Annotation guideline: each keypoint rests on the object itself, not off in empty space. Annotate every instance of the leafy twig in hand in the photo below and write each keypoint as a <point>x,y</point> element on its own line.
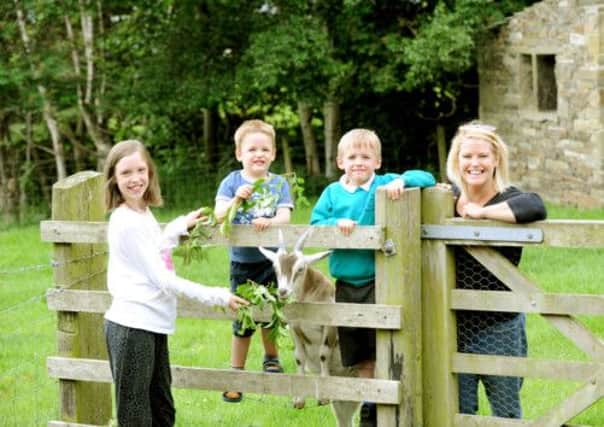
<point>259,297</point>
<point>195,246</point>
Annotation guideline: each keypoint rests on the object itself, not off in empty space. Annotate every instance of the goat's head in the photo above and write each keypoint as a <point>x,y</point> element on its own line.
<point>291,267</point>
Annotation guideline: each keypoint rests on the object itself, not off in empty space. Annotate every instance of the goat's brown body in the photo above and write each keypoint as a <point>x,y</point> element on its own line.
<point>316,346</point>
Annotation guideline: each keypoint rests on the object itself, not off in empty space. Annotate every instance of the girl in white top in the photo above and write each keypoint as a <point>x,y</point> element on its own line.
<point>144,287</point>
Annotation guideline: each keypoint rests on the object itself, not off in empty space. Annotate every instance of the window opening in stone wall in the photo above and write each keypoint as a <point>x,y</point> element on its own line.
<point>526,80</point>
<point>547,92</point>
<point>537,77</point>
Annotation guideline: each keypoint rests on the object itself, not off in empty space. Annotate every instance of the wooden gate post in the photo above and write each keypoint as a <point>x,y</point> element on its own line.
<point>398,282</point>
<point>81,266</point>
<point>439,327</point>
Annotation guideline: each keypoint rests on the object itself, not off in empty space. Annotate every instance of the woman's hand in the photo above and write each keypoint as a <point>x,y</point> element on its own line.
<point>472,210</point>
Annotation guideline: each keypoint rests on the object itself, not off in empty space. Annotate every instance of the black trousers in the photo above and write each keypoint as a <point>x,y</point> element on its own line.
<point>140,366</point>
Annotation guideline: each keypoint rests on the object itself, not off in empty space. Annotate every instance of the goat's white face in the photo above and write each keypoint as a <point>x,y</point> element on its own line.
<point>290,267</point>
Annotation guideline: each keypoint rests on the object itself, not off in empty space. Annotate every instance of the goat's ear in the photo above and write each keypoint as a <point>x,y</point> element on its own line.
<point>316,257</point>
<point>268,253</point>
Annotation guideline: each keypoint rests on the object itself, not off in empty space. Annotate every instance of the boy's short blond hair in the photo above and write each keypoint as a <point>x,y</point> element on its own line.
<point>253,126</point>
<point>360,138</point>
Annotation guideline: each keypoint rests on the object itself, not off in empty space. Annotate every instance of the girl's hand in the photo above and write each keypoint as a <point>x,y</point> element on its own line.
<point>235,302</point>
<point>194,217</point>
<point>346,226</point>
<point>244,192</point>
<point>261,224</point>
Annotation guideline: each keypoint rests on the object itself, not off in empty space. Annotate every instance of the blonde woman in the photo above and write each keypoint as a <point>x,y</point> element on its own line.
<point>477,166</point>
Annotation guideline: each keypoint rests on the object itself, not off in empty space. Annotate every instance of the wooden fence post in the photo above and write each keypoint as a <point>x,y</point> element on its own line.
<point>81,266</point>
<point>398,282</point>
<point>439,327</point>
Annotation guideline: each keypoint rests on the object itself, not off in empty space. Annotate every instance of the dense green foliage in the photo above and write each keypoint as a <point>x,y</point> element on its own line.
<point>181,76</point>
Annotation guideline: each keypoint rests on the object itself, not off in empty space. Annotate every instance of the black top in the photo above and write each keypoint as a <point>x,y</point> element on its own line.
<point>471,274</point>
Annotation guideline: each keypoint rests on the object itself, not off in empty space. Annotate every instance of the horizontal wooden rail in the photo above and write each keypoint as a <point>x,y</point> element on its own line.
<point>556,233</point>
<point>523,367</point>
<point>363,237</point>
<point>68,424</point>
<point>464,420</point>
<point>336,388</point>
<point>546,303</point>
<point>379,316</point>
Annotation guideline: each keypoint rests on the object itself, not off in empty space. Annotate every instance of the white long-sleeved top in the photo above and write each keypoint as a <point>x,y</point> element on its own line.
<point>140,276</point>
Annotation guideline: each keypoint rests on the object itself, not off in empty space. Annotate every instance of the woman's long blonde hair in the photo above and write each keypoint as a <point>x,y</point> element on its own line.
<point>484,132</point>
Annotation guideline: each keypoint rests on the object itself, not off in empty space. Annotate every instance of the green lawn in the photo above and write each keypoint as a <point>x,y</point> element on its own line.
<point>29,398</point>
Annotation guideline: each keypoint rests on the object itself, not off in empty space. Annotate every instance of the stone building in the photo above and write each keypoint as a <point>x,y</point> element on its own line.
<point>541,76</point>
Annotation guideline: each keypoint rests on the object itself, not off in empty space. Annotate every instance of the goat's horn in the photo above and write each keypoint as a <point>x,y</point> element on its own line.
<point>281,240</point>
<point>300,242</point>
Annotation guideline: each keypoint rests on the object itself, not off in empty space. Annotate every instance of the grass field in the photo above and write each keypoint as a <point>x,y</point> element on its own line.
<point>29,398</point>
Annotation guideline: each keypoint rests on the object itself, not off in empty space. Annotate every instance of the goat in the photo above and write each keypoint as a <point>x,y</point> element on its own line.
<point>316,347</point>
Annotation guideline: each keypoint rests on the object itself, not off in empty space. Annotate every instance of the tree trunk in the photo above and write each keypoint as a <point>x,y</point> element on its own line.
<point>210,144</point>
<point>47,112</point>
<point>332,130</point>
<point>441,145</point>
<point>308,136</point>
<point>287,156</point>
<point>43,180</point>
<point>100,116</point>
<point>85,96</point>
<point>27,169</point>
<point>4,192</point>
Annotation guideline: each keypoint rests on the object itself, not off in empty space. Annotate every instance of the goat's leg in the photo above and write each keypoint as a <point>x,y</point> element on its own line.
<point>344,411</point>
<point>300,357</point>
<point>326,349</point>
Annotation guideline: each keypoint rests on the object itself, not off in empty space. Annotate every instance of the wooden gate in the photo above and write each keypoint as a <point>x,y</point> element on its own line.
<point>396,389</point>
<point>440,298</point>
<point>417,361</point>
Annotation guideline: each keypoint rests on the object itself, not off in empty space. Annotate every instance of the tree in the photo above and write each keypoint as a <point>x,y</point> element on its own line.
<point>47,106</point>
<point>296,56</point>
<point>435,54</point>
<point>89,97</point>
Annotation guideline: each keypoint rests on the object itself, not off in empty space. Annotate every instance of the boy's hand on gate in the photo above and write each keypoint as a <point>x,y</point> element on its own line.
<point>261,223</point>
<point>394,189</point>
<point>346,226</point>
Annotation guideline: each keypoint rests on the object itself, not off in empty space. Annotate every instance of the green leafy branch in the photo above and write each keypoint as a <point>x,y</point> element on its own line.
<point>259,297</point>
<point>200,237</point>
<point>296,183</point>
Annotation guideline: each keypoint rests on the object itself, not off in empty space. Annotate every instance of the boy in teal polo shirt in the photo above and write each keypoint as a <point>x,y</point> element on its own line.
<point>346,203</point>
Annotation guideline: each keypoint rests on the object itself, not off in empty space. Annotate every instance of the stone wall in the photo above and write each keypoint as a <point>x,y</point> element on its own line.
<point>542,84</point>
